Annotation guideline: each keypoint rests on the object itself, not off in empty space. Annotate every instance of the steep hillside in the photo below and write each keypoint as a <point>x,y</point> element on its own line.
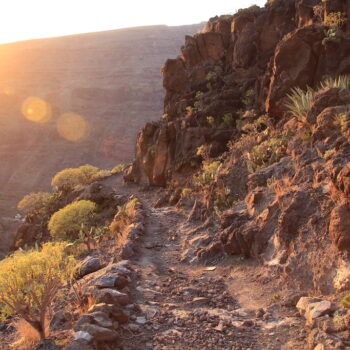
<point>111,79</point>
<point>230,230</point>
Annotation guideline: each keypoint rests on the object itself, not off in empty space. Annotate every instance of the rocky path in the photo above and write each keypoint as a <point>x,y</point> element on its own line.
<point>181,306</point>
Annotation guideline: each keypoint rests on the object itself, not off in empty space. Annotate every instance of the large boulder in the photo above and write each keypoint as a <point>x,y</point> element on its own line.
<point>294,65</point>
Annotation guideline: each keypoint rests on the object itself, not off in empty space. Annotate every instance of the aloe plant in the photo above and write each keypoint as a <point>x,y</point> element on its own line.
<point>299,102</point>
<point>342,82</point>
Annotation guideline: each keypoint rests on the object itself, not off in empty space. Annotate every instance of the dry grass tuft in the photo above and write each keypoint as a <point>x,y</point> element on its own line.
<point>281,187</point>
<point>27,336</point>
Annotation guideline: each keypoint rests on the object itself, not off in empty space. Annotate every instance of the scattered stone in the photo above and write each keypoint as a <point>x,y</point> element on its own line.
<point>101,319</point>
<point>266,316</point>
<point>141,320</point>
<point>113,311</point>
<point>259,313</point>
<point>100,333</point>
<point>59,319</point>
<point>111,281</point>
<point>83,336</point>
<point>291,299</point>
<point>304,302</point>
<point>89,265</point>
<point>199,301</point>
<point>134,327</point>
<point>111,296</point>
<point>318,309</point>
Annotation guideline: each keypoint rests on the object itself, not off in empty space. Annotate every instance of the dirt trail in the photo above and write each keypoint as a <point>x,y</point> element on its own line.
<point>181,306</point>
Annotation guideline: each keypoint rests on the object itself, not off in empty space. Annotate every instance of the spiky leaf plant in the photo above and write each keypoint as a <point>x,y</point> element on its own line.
<point>299,102</point>
<point>342,82</point>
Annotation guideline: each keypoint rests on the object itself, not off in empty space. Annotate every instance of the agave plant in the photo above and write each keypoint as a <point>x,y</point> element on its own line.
<point>299,102</point>
<point>342,82</point>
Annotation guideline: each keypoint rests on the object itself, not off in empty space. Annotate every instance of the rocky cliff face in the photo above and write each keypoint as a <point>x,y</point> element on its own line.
<point>111,79</point>
<point>280,189</point>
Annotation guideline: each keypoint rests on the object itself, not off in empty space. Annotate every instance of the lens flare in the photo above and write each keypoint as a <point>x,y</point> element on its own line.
<point>36,110</point>
<point>72,127</point>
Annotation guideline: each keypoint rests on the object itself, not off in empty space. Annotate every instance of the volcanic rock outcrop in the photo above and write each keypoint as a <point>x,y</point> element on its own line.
<point>281,187</point>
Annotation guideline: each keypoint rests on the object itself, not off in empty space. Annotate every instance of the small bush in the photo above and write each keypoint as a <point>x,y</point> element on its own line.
<point>343,122</point>
<point>249,97</point>
<point>68,179</point>
<point>345,302</point>
<point>208,173</point>
<point>29,281</point>
<point>335,19</point>
<point>118,169</point>
<point>66,223</point>
<point>203,151</point>
<point>124,216</point>
<point>260,124</point>
<point>267,153</point>
<point>33,201</point>
<point>227,118</point>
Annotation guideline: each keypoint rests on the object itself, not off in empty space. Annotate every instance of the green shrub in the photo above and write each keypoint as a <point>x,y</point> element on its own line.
<point>118,169</point>
<point>66,223</point>
<point>249,97</point>
<point>211,76</point>
<point>343,121</point>
<point>227,118</point>
<point>335,19</point>
<point>209,171</point>
<point>33,201</point>
<point>267,153</point>
<point>87,174</point>
<point>70,178</point>
<point>30,280</point>
<point>256,125</point>
<point>299,102</point>
<point>345,302</point>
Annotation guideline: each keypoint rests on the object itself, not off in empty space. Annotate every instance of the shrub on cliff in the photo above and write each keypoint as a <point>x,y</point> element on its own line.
<point>124,216</point>
<point>33,201</point>
<point>267,152</point>
<point>29,280</point>
<point>299,102</point>
<point>66,223</point>
<point>70,178</point>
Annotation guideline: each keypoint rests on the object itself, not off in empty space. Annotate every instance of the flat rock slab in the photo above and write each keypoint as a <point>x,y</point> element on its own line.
<point>318,309</point>
<point>304,302</point>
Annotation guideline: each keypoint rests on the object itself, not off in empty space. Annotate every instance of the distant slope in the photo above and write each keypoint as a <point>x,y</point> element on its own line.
<point>111,78</point>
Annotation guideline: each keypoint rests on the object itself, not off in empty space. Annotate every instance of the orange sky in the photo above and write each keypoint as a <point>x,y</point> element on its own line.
<point>28,19</point>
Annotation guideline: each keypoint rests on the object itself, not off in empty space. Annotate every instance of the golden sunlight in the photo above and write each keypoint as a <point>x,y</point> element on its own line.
<point>36,110</point>
<point>73,127</point>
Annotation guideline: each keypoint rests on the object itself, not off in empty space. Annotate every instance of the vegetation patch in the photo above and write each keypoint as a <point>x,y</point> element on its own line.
<point>66,223</point>
<point>30,280</point>
<point>267,152</point>
<point>124,216</point>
